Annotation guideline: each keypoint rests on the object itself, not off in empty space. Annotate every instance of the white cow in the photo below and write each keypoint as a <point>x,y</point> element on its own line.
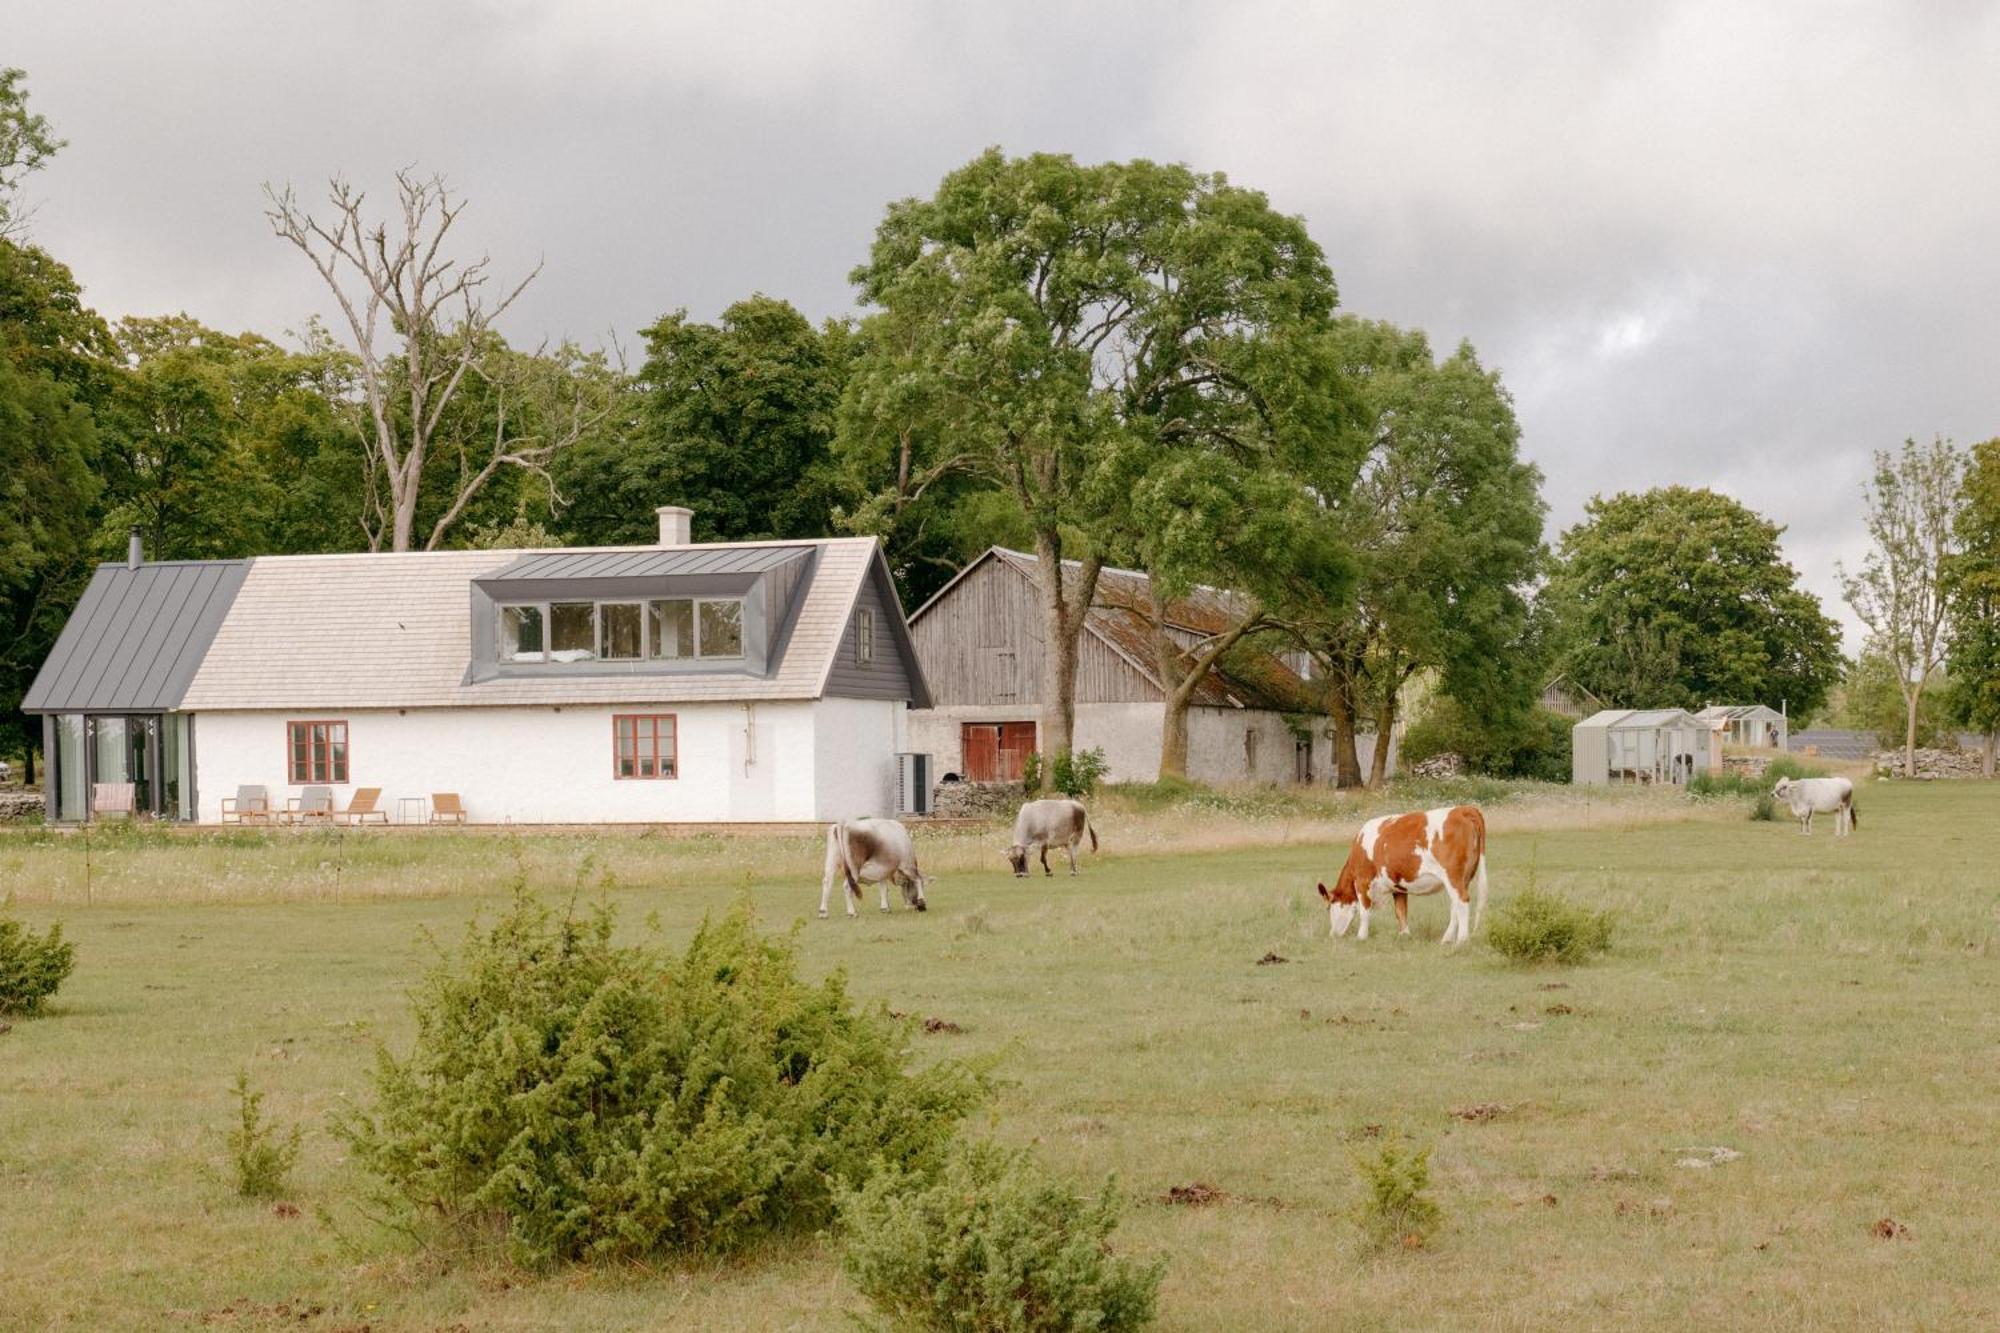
<point>872,851</point>
<point>1057,822</point>
<point>1819,796</point>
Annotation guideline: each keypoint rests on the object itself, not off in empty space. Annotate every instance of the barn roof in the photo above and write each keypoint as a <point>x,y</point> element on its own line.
<point>1739,713</point>
<point>393,630</point>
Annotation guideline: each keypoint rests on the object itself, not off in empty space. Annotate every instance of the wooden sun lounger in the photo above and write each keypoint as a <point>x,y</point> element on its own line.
<point>361,807</point>
<point>113,798</point>
<point>446,808</point>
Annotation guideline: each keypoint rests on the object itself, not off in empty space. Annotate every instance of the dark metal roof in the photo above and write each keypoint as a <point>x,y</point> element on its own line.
<point>649,563</point>
<point>136,638</point>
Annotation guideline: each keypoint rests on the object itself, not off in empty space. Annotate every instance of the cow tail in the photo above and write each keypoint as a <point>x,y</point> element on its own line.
<point>836,858</point>
<point>1479,880</point>
<point>1091,829</point>
<point>1853,813</point>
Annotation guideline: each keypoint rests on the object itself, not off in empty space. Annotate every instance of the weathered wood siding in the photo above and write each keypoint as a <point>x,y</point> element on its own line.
<point>981,643</point>
<point>884,676</point>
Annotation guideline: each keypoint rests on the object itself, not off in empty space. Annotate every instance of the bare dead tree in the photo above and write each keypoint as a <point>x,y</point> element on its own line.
<point>438,319</point>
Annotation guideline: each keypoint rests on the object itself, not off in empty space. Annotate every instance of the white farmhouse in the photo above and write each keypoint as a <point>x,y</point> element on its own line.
<point>759,681</point>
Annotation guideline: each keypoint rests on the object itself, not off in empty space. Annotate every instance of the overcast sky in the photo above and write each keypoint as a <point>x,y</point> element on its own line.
<point>1728,245</point>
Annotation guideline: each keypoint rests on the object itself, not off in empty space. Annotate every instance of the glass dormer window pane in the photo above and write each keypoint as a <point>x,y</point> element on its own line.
<point>521,634</point>
<point>621,625</point>
<point>572,631</point>
<point>721,629</point>
<point>672,628</point>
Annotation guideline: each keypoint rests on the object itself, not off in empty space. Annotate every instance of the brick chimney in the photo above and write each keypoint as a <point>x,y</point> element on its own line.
<point>676,524</point>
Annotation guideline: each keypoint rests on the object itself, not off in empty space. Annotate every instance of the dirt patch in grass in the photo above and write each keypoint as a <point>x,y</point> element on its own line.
<point>1480,1112</point>
<point>1198,1195</point>
<point>1273,957</point>
<point>1558,1010</point>
<point>1889,1228</point>
<point>944,1025</point>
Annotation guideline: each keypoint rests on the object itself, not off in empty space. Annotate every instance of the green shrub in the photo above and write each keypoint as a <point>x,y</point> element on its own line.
<point>590,1101</point>
<point>1536,927</point>
<point>1395,1208</point>
<point>1764,809</point>
<point>1073,773</point>
<point>262,1156</point>
<point>32,967</point>
<point>1736,782</point>
<point>993,1245</point>
<point>1534,744</point>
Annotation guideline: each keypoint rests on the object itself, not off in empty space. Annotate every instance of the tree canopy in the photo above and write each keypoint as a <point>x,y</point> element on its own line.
<point>1682,597</point>
<point>1973,587</point>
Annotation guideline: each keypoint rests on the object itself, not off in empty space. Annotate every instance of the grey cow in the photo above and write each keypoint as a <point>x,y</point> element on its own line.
<point>872,851</point>
<point>1058,822</point>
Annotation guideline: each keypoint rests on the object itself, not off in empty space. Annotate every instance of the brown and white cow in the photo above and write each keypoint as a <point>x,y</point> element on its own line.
<point>872,851</point>
<point>1417,853</point>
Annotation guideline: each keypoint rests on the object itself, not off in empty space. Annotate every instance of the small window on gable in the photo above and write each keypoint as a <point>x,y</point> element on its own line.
<point>721,628</point>
<point>864,636</point>
<point>572,631</point>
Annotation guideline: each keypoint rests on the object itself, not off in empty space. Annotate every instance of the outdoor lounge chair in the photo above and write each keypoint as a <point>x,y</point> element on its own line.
<point>112,798</point>
<point>313,805</point>
<point>361,807</point>
<point>250,805</point>
<point>446,808</point>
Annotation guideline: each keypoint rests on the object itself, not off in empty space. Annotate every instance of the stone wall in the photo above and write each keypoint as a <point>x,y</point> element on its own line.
<point>19,803</point>
<point>1931,764</point>
<point>977,800</point>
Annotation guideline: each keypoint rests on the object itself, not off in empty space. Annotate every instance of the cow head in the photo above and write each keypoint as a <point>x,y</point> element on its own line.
<point>1783,789</point>
<point>1344,903</point>
<point>1017,857</point>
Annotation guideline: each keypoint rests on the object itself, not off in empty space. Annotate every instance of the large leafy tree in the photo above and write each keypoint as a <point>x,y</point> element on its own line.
<point>56,369</point>
<point>1445,522</point>
<point>26,143</point>
<point>1974,589</point>
<point>1681,597</point>
<point>1046,320</point>
<point>1901,590</point>
<point>734,419</point>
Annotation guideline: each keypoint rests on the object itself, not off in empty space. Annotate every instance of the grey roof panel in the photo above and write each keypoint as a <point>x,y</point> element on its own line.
<point>136,638</point>
<point>666,560</point>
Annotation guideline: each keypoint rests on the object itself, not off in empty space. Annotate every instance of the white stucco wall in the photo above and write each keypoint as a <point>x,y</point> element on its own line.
<point>1129,735</point>
<point>765,761</point>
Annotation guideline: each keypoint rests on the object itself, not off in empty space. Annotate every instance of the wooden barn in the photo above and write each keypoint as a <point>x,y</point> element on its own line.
<point>1258,718</point>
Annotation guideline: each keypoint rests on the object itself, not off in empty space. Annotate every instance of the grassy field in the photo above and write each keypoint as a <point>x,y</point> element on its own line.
<point>1829,1010</point>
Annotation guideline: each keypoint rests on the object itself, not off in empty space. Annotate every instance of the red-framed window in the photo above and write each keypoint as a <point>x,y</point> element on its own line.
<point>317,752</point>
<point>644,745</point>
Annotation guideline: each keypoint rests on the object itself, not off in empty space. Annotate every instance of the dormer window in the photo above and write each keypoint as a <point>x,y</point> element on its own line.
<point>662,630</point>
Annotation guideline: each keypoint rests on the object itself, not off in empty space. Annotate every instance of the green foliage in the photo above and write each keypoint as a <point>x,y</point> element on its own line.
<point>1076,773</point>
<point>1396,1209</point>
<point>993,1245</point>
<point>32,967</point>
<point>1679,597</point>
<point>261,1155</point>
<point>1872,700</point>
<point>1764,809</point>
<point>1031,773</point>
<point>1535,744</point>
<point>1446,523</point>
<point>26,144</point>
<point>1536,927</point>
<point>1737,782</point>
<point>734,420</point>
<point>595,1102</point>
<point>1974,589</point>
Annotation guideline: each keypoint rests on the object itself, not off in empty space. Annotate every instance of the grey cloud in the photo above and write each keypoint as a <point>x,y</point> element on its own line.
<point>1719,244</point>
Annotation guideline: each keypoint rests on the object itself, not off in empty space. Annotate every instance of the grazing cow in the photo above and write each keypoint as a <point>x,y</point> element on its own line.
<point>1420,852</point>
<point>1053,823</point>
<point>872,851</point>
<point>1819,796</point>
